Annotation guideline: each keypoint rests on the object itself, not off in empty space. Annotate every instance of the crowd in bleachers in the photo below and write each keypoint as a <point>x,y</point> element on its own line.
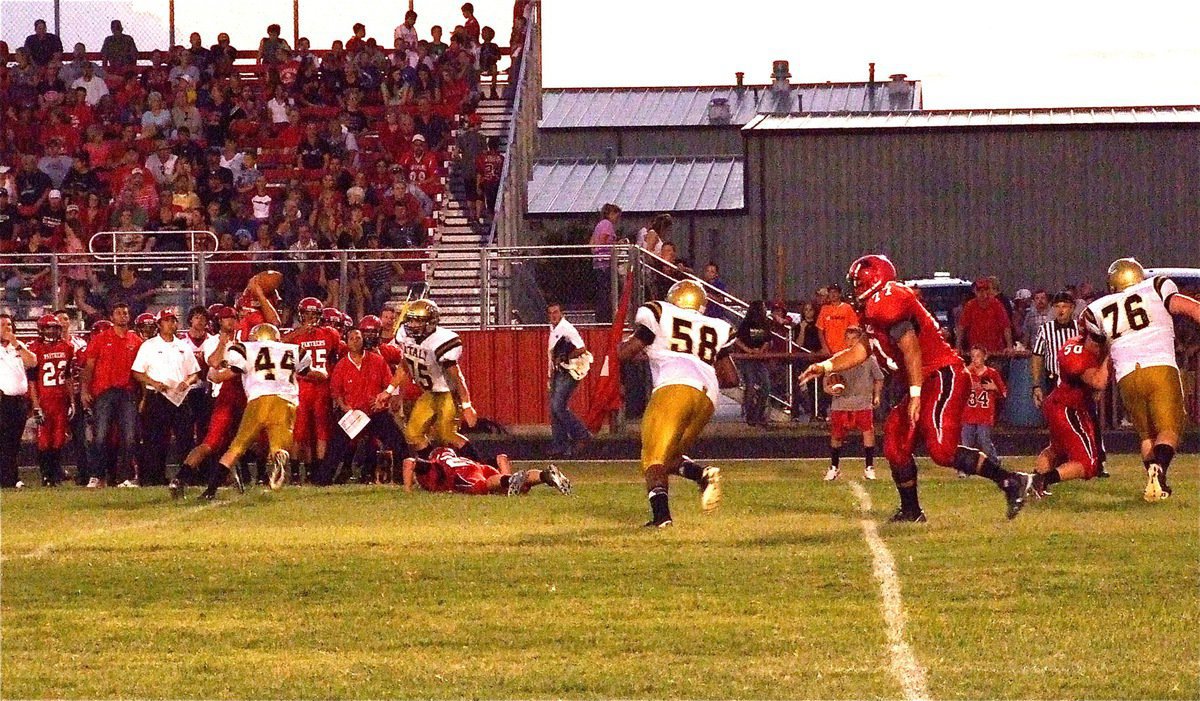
<point>289,151</point>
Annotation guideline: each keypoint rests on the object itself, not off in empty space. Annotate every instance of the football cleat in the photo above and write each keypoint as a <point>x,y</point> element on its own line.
<point>1015,487</point>
<point>555,478</point>
<point>710,489</point>
<point>832,473</point>
<point>904,516</point>
<point>516,481</point>
<point>1155,488</point>
<point>1038,488</point>
<point>869,473</point>
<point>665,523</point>
<point>94,483</point>
<point>208,494</point>
<point>279,469</point>
<point>177,489</point>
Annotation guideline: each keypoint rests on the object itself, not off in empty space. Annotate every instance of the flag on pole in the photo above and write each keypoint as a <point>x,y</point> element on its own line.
<point>607,397</point>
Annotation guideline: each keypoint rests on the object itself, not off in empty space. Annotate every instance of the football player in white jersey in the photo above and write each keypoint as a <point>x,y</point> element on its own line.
<point>431,359</point>
<point>268,370</point>
<point>689,363</point>
<point>1135,321</point>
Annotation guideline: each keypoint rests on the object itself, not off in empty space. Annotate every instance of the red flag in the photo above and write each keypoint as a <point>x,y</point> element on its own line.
<point>607,397</point>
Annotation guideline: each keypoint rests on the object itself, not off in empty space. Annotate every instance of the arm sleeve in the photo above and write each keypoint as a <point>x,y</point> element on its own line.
<point>449,352</point>
<point>1166,289</point>
<point>141,362</point>
<point>236,356</point>
<point>1039,341</point>
<point>575,338</point>
<point>648,316</point>
<point>336,388</point>
<point>999,380</point>
<point>727,346</point>
<point>876,371</point>
<point>1091,325</point>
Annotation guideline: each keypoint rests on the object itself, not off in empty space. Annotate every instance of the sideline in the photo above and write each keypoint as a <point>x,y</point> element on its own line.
<point>47,548</point>
<point>904,665</point>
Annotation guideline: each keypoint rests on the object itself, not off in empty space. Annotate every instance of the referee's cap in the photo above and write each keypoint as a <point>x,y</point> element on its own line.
<point>1064,297</point>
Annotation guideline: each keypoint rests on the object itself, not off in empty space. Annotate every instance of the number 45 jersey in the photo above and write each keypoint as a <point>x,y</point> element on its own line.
<point>1136,324</point>
<point>685,346</point>
<point>426,359</point>
<point>269,368</point>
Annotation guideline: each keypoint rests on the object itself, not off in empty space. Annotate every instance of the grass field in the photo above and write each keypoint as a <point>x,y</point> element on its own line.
<point>362,592</point>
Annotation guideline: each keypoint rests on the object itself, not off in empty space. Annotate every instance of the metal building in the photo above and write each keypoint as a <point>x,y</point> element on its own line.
<point>1039,197</point>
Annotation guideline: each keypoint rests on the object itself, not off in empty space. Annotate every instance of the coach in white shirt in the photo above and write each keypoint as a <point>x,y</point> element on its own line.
<point>15,360</point>
<point>569,362</point>
<point>166,366</point>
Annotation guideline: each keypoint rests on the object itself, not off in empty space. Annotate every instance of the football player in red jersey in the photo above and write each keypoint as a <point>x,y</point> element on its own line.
<point>51,394</point>
<point>146,326</point>
<point>78,417</point>
<point>1074,450</point>
<point>256,307</point>
<point>937,382</point>
<point>313,415</point>
<point>228,402</point>
<point>447,471</point>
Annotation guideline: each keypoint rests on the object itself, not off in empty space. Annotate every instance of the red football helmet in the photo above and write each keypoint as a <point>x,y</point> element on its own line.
<point>247,302</point>
<point>330,316</point>
<point>101,326</point>
<point>869,274</point>
<point>347,323</point>
<point>145,319</point>
<point>372,329</point>
<point>310,310</point>
<point>49,328</point>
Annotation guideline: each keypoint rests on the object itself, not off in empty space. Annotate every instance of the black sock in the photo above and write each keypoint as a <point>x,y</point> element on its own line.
<point>1163,454</point>
<point>991,469</point>
<point>505,480</point>
<point>835,455</point>
<point>869,454</point>
<point>691,470</point>
<point>468,451</point>
<point>1051,477</point>
<point>659,507</point>
<point>908,498</point>
<point>1146,464</point>
<point>185,474</point>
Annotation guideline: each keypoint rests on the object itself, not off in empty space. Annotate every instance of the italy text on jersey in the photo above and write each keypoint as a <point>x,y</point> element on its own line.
<point>686,346</point>
<point>1136,324</point>
<point>428,360</point>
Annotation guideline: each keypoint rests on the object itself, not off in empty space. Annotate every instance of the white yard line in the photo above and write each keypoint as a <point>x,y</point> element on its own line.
<point>47,548</point>
<point>904,665</point>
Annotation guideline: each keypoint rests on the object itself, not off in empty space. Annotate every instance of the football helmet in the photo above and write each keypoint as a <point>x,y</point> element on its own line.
<point>869,274</point>
<point>330,316</point>
<point>310,311</point>
<point>101,326</point>
<point>371,327</point>
<point>347,323</point>
<point>421,318</point>
<point>49,328</point>
<point>264,332</point>
<point>1125,273</point>
<point>687,294</point>
<point>146,325</point>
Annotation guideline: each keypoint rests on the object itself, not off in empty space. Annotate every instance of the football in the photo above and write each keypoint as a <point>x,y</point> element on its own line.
<point>268,280</point>
<point>835,384</point>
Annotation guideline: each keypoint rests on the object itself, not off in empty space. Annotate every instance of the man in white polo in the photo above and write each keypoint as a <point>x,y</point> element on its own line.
<point>166,366</point>
<point>15,360</point>
<point>569,363</point>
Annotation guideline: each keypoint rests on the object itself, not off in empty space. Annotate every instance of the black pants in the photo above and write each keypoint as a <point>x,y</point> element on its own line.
<point>13,413</point>
<point>382,426</point>
<point>79,442</point>
<point>163,425</point>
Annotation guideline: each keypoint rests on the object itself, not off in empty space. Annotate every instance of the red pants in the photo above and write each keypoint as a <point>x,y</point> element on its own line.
<point>473,479</point>
<point>1072,437</point>
<point>52,434</point>
<point>943,396</point>
<point>313,413</point>
<point>226,415</point>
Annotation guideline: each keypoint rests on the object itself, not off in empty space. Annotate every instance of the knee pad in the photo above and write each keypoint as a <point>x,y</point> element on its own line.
<point>966,460</point>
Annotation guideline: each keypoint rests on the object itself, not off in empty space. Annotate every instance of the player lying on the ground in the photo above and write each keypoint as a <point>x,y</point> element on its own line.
<point>446,471</point>
<point>938,386</point>
<point>1074,450</point>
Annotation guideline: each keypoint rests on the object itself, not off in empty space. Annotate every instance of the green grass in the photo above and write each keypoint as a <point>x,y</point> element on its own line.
<point>368,592</point>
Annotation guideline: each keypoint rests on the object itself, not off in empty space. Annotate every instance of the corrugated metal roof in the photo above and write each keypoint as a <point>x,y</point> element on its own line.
<point>637,185</point>
<point>591,108</point>
<point>939,119</point>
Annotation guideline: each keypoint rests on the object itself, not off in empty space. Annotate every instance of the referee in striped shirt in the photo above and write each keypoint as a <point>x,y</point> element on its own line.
<point>1051,336</point>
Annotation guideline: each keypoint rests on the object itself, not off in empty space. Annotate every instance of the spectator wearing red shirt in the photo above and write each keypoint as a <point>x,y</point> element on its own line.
<point>471,25</point>
<point>422,167</point>
<point>358,381</point>
<point>979,415</point>
<point>109,390</point>
<point>984,321</point>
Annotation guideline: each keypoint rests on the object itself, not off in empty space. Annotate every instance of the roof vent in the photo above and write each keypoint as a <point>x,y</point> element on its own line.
<point>719,111</point>
<point>778,99</point>
<point>899,92</point>
<point>779,77</point>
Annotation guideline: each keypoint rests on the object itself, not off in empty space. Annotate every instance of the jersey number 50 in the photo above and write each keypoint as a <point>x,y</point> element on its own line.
<point>700,341</point>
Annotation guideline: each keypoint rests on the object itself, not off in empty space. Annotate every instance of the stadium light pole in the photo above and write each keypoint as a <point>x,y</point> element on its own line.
<point>295,22</point>
<point>171,23</point>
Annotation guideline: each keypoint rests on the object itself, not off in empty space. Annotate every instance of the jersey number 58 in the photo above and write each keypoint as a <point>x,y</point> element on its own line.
<point>700,341</point>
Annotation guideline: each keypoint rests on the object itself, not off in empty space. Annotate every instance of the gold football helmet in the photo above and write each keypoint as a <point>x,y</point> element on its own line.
<point>264,332</point>
<point>421,318</point>
<point>687,294</point>
<point>1125,273</point>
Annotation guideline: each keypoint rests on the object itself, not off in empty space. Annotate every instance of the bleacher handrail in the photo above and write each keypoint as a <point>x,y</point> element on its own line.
<point>163,233</point>
<point>517,89</point>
